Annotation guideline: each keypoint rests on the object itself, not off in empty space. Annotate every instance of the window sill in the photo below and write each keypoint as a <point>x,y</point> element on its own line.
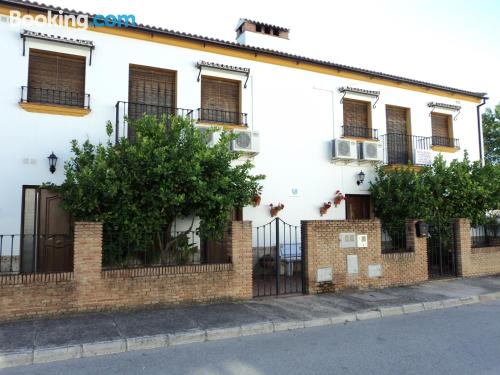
<point>54,109</point>
<point>225,125</point>
<point>444,149</point>
<point>395,167</point>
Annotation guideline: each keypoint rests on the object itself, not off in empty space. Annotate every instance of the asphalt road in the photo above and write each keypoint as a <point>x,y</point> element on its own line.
<point>463,340</point>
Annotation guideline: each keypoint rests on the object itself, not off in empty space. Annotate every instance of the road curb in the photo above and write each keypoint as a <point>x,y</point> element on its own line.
<point>46,355</point>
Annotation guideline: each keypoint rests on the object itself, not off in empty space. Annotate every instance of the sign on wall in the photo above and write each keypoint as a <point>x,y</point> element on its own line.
<point>423,157</point>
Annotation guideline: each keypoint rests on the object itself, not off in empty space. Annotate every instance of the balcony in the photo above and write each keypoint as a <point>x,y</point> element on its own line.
<point>359,132</point>
<point>445,144</point>
<point>128,110</point>
<point>222,117</point>
<point>404,149</point>
<point>45,100</point>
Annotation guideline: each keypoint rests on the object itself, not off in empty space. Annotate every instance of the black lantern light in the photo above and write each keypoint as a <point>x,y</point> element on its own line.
<point>361,178</point>
<point>52,162</point>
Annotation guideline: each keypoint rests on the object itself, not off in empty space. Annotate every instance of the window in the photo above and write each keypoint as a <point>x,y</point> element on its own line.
<point>56,78</point>
<point>357,119</point>
<point>220,101</point>
<point>441,130</point>
<point>151,91</point>
<point>357,207</point>
<point>258,28</point>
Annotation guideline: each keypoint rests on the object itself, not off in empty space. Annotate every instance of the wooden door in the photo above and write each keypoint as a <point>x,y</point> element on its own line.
<point>358,207</point>
<point>55,239</point>
<point>397,138</point>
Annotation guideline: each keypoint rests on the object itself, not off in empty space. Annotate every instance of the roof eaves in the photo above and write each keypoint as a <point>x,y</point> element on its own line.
<point>340,67</point>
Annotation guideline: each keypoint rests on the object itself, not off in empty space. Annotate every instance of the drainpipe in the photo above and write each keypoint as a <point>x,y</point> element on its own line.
<point>479,129</point>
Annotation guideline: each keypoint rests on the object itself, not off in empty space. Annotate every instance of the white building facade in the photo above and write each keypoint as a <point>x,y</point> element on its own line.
<point>295,108</point>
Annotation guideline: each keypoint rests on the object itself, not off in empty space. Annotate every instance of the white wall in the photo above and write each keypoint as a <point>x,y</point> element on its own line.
<point>296,112</point>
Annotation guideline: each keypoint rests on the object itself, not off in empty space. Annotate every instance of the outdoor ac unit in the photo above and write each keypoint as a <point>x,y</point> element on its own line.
<point>344,149</point>
<point>372,151</point>
<point>212,136</point>
<point>247,141</point>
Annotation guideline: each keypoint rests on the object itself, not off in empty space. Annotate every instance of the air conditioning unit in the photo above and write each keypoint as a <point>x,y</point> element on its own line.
<point>372,151</point>
<point>247,142</point>
<point>344,149</point>
<point>212,136</point>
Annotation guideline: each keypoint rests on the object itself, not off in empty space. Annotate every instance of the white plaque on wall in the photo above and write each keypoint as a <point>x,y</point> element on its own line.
<point>352,264</point>
<point>423,157</point>
<point>294,191</point>
<point>324,274</point>
<point>374,270</point>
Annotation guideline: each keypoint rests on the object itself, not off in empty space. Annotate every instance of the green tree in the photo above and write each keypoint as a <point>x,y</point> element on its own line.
<point>167,172</point>
<point>491,134</point>
<point>437,193</point>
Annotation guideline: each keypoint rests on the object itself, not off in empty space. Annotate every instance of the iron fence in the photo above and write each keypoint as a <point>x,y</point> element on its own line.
<point>359,132</point>
<point>221,116</point>
<point>126,250</point>
<point>393,240</point>
<point>35,253</point>
<point>30,94</point>
<point>125,111</point>
<point>485,236</point>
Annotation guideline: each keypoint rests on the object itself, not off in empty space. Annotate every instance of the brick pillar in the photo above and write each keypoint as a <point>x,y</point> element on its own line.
<point>461,229</point>
<point>241,254</point>
<point>87,259</point>
<point>309,250</point>
<point>419,246</point>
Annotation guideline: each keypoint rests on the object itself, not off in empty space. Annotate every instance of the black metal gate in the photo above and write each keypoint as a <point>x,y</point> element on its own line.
<point>442,250</point>
<point>278,261</point>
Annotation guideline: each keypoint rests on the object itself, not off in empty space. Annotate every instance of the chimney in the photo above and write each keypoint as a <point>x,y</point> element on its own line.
<point>260,34</point>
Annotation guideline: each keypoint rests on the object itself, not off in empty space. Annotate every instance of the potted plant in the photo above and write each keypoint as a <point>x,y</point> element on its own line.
<point>326,206</point>
<point>276,209</point>
<point>339,197</point>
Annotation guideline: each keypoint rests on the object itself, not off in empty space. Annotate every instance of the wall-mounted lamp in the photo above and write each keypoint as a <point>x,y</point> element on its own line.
<point>361,178</point>
<point>52,162</point>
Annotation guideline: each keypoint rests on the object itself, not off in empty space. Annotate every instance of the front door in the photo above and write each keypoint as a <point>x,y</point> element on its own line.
<point>47,244</point>
<point>358,207</point>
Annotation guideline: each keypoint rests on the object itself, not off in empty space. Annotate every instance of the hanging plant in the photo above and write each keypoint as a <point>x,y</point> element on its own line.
<point>326,206</point>
<point>339,197</point>
<point>256,200</point>
<point>276,209</point>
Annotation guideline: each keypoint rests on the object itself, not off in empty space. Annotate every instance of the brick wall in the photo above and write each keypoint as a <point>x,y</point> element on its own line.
<point>474,261</point>
<point>321,244</point>
<point>89,288</point>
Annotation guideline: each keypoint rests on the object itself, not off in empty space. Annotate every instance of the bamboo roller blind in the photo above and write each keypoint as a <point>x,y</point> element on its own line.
<point>356,113</point>
<point>220,94</point>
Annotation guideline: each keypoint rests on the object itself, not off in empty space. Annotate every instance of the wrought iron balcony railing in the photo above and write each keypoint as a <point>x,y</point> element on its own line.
<point>220,116</point>
<point>446,142</point>
<point>404,148</point>
<point>131,111</point>
<point>359,132</point>
<point>42,95</point>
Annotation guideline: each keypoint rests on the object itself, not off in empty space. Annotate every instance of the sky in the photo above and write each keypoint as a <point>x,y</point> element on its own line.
<point>451,42</point>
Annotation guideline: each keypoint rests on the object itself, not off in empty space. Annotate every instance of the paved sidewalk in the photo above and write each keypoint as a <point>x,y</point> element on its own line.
<point>46,340</point>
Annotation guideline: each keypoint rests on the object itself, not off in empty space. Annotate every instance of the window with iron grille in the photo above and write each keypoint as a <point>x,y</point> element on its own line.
<point>56,78</point>
<point>357,118</point>
<point>220,100</point>
<point>441,130</point>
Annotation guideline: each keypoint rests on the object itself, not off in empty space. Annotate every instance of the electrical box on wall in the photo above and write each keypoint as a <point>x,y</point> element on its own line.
<point>362,240</point>
<point>352,264</point>
<point>324,275</point>
<point>347,240</point>
<point>374,270</point>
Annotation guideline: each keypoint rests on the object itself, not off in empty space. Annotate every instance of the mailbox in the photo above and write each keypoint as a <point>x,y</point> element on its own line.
<point>422,229</point>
